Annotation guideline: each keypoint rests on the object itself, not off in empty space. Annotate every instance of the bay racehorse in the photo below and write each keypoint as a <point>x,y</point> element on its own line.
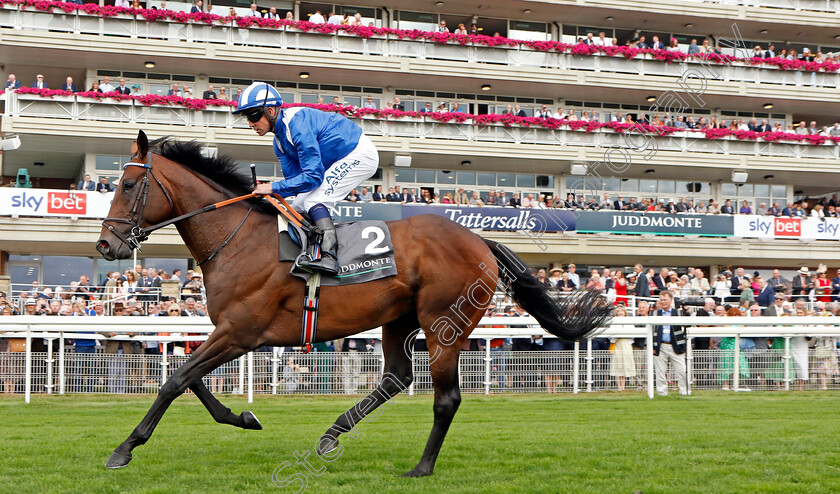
<point>446,277</point>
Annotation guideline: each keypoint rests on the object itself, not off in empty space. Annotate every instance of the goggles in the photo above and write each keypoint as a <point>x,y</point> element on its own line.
<point>254,115</point>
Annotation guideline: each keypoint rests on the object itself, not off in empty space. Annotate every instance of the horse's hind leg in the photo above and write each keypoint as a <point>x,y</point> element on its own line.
<point>397,377</point>
<point>444,370</point>
<point>221,413</point>
<point>213,353</point>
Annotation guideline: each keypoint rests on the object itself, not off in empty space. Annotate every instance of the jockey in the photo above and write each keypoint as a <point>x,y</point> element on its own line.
<point>324,157</point>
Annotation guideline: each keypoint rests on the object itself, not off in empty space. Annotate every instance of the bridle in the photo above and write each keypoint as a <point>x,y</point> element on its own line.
<point>138,234</point>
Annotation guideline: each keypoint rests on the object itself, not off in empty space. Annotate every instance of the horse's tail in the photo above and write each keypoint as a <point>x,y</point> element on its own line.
<point>569,317</point>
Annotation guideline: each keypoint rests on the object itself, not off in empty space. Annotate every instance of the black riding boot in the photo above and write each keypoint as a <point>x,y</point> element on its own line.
<point>328,263</point>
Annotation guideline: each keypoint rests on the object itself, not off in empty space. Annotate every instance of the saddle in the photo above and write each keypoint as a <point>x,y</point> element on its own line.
<point>365,251</point>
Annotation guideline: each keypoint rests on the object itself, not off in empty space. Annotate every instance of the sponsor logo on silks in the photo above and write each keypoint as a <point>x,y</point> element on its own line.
<point>367,266</point>
<point>523,221</point>
<point>337,173</point>
<point>788,227</point>
<point>657,221</point>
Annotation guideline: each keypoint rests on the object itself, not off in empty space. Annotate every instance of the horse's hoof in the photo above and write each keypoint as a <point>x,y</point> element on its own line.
<point>117,460</point>
<point>250,421</point>
<point>417,472</point>
<point>327,444</point>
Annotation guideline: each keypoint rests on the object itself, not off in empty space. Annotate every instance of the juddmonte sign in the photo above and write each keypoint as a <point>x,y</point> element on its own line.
<point>656,223</point>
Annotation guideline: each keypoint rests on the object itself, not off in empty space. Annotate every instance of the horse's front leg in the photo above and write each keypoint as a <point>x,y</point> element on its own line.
<point>221,413</point>
<point>212,354</point>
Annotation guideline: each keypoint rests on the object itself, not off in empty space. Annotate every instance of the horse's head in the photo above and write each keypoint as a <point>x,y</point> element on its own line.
<point>139,201</point>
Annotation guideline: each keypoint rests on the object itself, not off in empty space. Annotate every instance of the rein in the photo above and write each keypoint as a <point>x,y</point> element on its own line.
<point>137,234</point>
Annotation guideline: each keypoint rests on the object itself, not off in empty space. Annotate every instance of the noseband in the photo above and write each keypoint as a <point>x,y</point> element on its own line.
<point>138,234</point>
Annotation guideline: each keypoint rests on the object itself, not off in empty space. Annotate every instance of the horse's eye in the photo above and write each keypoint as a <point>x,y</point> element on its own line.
<point>128,185</point>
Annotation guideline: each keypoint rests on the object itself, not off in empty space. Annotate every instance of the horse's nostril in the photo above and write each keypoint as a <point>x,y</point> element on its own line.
<point>103,244</point>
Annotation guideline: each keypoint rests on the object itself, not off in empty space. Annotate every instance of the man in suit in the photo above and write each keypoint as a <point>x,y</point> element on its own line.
<point>779,283</point>
<point>661,280</point>
<point>392,196</point>
<point>777,307</point>
<point>175,91</point>
<point>122,88</point>
<point>519,112</point>
<point>12,83</point>
<point>210,94</point>
<point>103,185</point>
<point>727,208</point>
<point>766,294</point>
<point>461,197</point>
<point>802,284</point>
<point>407,197</point>
<point>642,287</point>
<point>669,347</point>
<point>378,196</point>
<point>619,204</point>
<point>69,86</point>
<point>735,289</point>
<point>86,184</point>
<point>197,8</point>
<point>655,44</point>
<point>835,287</point>
<point>39,82</point>
<point>398,105</point>
<point>771,51</point>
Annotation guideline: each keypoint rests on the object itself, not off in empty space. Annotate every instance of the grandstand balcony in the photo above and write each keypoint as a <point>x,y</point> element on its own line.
<point>84,127</point>
<point>126,41</point>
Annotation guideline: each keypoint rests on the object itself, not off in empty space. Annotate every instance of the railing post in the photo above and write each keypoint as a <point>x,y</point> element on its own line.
<point>274,361</point>
<point>649,359</point>
<point>250,377</point>
<point>241,389</point>
<point>164,363</point>
<point>49,360</point>
<point>589,365</point>
<point>786,361</point>
<point>689,363</point>
<point>61,364</point>
<point>736,362</point>
<point>487,366</point>
<point>27,366</point>
<point>576,368</point>
<point>414,374</point>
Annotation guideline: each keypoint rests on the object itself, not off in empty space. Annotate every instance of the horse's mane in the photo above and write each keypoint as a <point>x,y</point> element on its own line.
<point>224,172</point>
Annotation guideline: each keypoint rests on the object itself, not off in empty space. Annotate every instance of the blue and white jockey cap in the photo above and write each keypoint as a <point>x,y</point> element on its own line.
<point>258,95</point>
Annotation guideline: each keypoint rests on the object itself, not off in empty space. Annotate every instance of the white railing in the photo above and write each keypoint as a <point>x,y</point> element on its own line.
<point>82,108</point>
<point>287,38</point>
<point>56,330</point>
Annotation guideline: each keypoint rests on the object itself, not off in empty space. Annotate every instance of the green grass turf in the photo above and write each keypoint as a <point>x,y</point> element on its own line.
<point>616,443</point>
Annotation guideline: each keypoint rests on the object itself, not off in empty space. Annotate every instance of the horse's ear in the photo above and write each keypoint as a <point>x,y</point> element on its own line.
<point>142,145</point>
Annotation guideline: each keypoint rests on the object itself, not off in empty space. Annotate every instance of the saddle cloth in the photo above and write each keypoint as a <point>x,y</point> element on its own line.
<point>365,251</point>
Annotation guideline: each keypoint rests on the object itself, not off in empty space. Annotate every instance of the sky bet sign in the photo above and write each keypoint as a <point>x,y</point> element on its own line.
<point>770,227</point>
<point>44,202</point>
